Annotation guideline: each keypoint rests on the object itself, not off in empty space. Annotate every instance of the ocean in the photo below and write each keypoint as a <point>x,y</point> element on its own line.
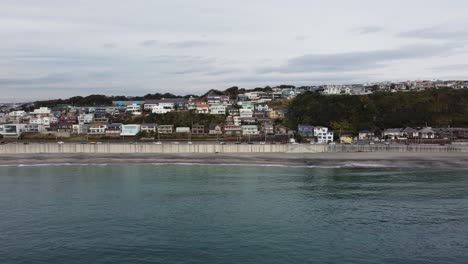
<point>189,213</point>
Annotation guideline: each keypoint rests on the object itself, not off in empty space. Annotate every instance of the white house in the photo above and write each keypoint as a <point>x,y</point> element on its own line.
<point>86,118</point>
<point>97,129</point>
<point>217,109</point>
<point>130,130</point>
<point>245,113</point>
<point>323,135</point>
<point>249,130</point>
<point>134,109</point>
<point>162,109</point>
<point>42,111</point>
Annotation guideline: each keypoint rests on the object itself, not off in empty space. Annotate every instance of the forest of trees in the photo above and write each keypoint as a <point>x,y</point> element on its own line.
<point>380,110</point>
<point>179,118</point>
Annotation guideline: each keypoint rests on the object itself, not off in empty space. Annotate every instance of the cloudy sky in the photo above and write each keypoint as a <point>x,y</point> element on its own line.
<point>59,48</point>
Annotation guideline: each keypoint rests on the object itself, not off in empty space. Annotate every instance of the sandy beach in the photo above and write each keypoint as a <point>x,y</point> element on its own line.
<point>374,159</point>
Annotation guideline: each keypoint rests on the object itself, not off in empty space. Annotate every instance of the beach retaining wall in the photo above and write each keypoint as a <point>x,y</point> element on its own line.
<point>213,148</point>
<point>164,148</point>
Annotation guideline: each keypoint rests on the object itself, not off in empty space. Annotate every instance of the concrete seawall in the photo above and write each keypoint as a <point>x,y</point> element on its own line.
<point>151,148</point>
<point>214,148</point>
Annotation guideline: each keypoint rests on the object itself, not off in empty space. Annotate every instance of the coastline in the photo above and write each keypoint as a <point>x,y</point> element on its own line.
<point>326,160</point>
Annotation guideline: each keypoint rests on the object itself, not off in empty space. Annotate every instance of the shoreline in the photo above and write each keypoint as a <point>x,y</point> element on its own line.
<point>331,160</point>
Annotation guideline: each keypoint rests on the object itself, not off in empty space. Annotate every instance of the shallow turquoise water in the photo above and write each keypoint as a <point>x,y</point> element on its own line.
<point>232,214</point>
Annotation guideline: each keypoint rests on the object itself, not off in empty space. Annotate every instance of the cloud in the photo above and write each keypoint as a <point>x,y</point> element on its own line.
<point>367,30</point>
<point>190,44</point>
<point>48,79</point>
<point>436,32</point>
<point>149,43</point>
<point>357,61</point>
<point>301,37</point>
<point>451,67</point>
<point>109,45</point>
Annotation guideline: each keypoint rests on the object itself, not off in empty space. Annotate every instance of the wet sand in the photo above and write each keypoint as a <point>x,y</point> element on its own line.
<point>370,159</point>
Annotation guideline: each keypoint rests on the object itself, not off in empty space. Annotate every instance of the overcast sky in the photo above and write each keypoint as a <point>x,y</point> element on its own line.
<point>61,48</point>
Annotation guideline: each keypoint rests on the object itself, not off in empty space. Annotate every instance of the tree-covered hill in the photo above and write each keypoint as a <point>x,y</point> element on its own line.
<point>380,110</point>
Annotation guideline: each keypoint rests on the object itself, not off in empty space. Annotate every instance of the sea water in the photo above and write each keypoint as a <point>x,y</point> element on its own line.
<point>232,214</point>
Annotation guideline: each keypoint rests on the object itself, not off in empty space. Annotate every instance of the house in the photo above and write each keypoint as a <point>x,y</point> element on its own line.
<point>323,135</point>
<point>366,134</point>
<point>427,133</point>
<point>202,108</point>
<point>161,109</point>
<point>42,111</point>
<point>392,133</point>
<point>149,128</point>
<point>237,120</point>
<point>268,129</point>
<point>249,130</point>
<point>215,130</point>
<point>198,130</point>
<point>233,111</point>
<point>217,109</point>
<point>182,130</point>
<point>249,120</point>
<point>85,118</point>
<point>245,113</point>
<point>305,131</point>
<point>126,103</point>
<point>409,132</point>
<point>130,130</point>
<point>232,130</point>
<point>246,105</point>
<point>242,98</point>
<point>97,129</point>
<point>281,130</point>
<point>218,99</point>
<point>11,130</point>
<point>134,109</point>
<point>80,128</point>
<point>165,129</point>
<point>113,130</point>
<point>263,108</point>
<point>104,120</point>
<point>282,113</point>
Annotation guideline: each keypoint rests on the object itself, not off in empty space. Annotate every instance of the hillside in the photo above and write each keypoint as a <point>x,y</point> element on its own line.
<point>436,108</point>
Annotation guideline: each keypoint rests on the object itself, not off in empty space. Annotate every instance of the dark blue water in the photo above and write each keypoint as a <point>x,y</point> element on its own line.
<point>223,214</point>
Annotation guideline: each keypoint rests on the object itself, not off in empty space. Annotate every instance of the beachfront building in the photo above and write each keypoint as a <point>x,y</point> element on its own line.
<point>149,128</point>
<point>392,133</point>
<point>97,129</point>
<point>182,130</point>
<point>366,135</point>
<point>198,130</point>
<point>232,130</point>
<point>11,130</point>
<point>427,133</point>
<point>165,129</point>
<point>113,130</point>
<point>323,135</point>
<point>130,130</point>
<point>215,130</point>
<point>305,131</point>
<point>249,130</point>
<point>268,129</point>
<point>409,132</point>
